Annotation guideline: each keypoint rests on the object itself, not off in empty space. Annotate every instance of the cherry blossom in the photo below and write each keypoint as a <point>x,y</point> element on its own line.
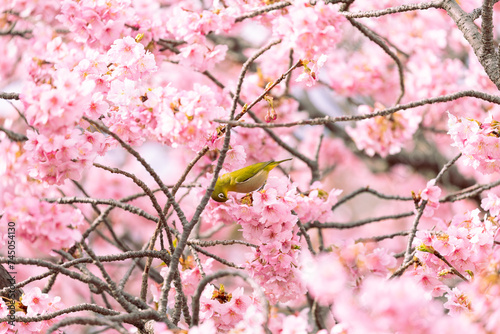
<point>384,135</point>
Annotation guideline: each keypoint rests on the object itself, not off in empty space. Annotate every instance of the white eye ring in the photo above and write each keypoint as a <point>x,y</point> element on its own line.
<point>221,195</point>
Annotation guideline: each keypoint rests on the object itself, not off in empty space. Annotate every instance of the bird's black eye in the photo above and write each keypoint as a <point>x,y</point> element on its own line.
<point>221,195</point>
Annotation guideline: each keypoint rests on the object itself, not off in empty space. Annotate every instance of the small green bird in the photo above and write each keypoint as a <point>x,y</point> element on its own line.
<point>243,180</point>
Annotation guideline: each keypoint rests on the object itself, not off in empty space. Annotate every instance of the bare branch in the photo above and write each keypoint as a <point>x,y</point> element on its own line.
<point>263,10</point>
<point>358,223</point>
<point>472,34</point>
<point>393,10</point>
<point>13,135</point>
<point>384,112</point>
<point>487,28</point>
<point>383,237</point>
<point>9,96</point>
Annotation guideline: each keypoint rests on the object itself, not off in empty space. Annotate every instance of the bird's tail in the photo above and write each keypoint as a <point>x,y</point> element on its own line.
<point>278,162</point>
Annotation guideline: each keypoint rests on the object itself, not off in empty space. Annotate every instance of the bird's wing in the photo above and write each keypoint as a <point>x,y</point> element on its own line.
<point>248,172</point>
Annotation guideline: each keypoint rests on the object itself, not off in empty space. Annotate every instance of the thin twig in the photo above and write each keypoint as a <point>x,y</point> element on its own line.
<point>383,237</point>
<point>263,10</point>
<point>358,223</point>
<point>306,236</point>
<point>403,267</point>
<point>393,10</point>
<point>370,191</point>
<point>377,40</point>
<point>453,269</point>
<point>469,192</point>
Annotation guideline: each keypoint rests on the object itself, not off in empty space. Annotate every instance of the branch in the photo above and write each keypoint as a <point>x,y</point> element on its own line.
<point>382,237</point>
<point>421,208</point>
<point>403,267</point>
<point>472,34</point>
<point>453,269</point>
<point>393,10</point>
<point>211,243</point>
<point>377,40</point>
<point>14,136</point>
<point>21,33</point>
<point>111,321</point>
<point>469,192</point>
<point>111,202</point>
<point>149,169</point>
<point>383,112</point>
<point>306,236</point>
<point>487,29</point>
<point>60,269</point>
<point>370,191</point>
<point>9,96</point>
<point>358,223</point>
<point>447,166</point>
<point>216,258</point>
<point>77,308</point>
<point>263,10</point>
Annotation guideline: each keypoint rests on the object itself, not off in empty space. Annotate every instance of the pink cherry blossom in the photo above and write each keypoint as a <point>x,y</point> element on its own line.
<point>310,74</point>
<point>36,301</point>
<point>491,204</point>
<point>384,135</point>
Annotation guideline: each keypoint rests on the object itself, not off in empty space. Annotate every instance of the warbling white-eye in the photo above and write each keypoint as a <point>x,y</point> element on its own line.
<point>243,180</point>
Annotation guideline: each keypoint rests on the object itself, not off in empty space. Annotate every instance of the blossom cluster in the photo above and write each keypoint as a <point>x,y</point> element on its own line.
<point>478,141</point>
<point>310,30</point>
<point>62,156</point>
<point>46,225</point>
<point>192,27</point>
<point>95,22</point>
<point>131,61</point>
<point>226,310</point>
<point>430,194</point>
<point>464,248</point>
<point>346,264</point>
<point>217,307</point>
<point>311,70</point>
<point>362,75</point>
<point>55,100</point>
<point>479,299</point>
<point>384,135</point>
<point>187,117</point>
<point>466,243</point>
<point>135,111</point>
<point>33,303</point>
<point>269,219</point>
<point>399,306</point>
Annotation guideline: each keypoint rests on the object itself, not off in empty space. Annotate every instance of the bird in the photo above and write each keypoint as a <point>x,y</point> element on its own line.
<point>244,180</point>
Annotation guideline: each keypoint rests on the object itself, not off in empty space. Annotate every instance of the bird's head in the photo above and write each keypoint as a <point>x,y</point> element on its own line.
<point>220,192</point>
